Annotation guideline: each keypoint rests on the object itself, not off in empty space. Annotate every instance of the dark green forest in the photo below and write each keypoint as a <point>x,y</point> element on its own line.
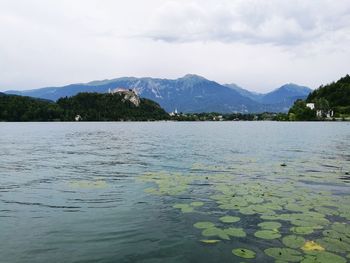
<point>337,94</point>
<point>333,97</point>
<point>90,106</point>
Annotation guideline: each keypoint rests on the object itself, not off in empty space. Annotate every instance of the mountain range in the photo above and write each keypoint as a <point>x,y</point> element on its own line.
<point>191,93</point>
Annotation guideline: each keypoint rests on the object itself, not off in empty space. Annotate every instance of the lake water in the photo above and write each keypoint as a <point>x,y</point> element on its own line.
<point>131,192</point>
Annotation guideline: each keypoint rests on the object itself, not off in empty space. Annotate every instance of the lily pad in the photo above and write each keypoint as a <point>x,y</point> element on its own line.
<point>229,219</point>
<point>86,184</point>
<point>203,225</point>
<point>270,225</point>
<point>214,231</point>
<point>185,208</point>
<point>342,228</point>
<point>196,204</point>
<point>235,232</point>
<point>334,245</point>
<point>336,235</point>
<point>284,254</point>
<point>247,211</point>
<point>302,230</point>
<point>326,210</point>
<point>323,257</point>
<point>267,234</point>
<point>244,253</point>
<point>293,241</point>
<point>180,206</point>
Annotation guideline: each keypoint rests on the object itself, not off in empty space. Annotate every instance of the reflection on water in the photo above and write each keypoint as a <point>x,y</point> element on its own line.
<point>174,192</point>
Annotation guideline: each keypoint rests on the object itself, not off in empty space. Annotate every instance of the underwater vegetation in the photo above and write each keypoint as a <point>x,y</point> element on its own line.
<point>297,217</point>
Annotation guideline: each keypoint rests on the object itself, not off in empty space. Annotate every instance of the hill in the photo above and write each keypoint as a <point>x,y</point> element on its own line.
<point>19,108</point>
<point>337,95</point>
<point>89,106</point>
<point>325,103</point>
<point>189,94</point>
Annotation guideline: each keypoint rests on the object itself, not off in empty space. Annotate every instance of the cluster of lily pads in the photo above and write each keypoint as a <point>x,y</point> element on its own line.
<point>166,183</point>
<point>311,225</point>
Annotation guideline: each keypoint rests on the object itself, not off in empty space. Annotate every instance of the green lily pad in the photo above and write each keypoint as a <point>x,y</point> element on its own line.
<point>336,235</point>
<point>334,245</point>
<point>255,199</point>
<point>247,211</point>
<point>229,219</point>
<point>293,241</point>
<point>187,210</point>
<point>317,224</point>
<point>244,253</point>
<point>302,230</point>
<point>196,204</point>
<point>214,231</point>
<point>342,228</point>
<point>203,225</point>
<point>270,217</point>
<point>270,225</point>
<point>326,210</point>
<point>267,234</point>
<point>235,232</point>
<point>323,257</point>
<point>284,254</point>
<point>296,207</point>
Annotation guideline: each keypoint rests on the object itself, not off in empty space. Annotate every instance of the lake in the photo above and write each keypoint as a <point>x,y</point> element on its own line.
<point>175,192</point>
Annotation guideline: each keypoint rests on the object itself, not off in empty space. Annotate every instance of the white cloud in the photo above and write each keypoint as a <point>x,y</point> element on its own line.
<point>279,22</point>
<point>257,44</point>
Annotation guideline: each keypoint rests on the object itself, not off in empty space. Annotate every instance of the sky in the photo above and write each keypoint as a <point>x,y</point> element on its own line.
<point>259,45</point>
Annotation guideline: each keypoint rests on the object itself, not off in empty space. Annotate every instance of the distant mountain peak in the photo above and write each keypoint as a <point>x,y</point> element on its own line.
<point>190,93</point>
<point>193,77</point>
<point>295,88</point>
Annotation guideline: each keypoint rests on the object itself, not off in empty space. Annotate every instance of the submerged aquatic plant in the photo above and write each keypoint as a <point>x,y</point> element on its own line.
<point>185,208</point>
<point>203,225</point>
<point>86,184</point>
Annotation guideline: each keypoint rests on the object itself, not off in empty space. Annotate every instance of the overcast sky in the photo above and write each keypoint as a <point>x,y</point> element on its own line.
<point>256,44</point>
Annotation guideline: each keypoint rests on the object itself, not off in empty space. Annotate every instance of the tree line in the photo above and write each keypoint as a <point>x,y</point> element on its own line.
<point>89,106</point>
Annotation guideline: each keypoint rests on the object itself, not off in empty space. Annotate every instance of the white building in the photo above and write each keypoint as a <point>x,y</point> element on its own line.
<point>310,105</point>
<point>174,113</point>
<point>78,118</point>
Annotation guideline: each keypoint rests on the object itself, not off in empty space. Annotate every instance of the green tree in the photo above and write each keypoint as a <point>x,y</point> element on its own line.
<point>299,112</point>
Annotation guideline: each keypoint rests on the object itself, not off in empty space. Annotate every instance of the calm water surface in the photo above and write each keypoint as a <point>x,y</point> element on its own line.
<point>75,192</point>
